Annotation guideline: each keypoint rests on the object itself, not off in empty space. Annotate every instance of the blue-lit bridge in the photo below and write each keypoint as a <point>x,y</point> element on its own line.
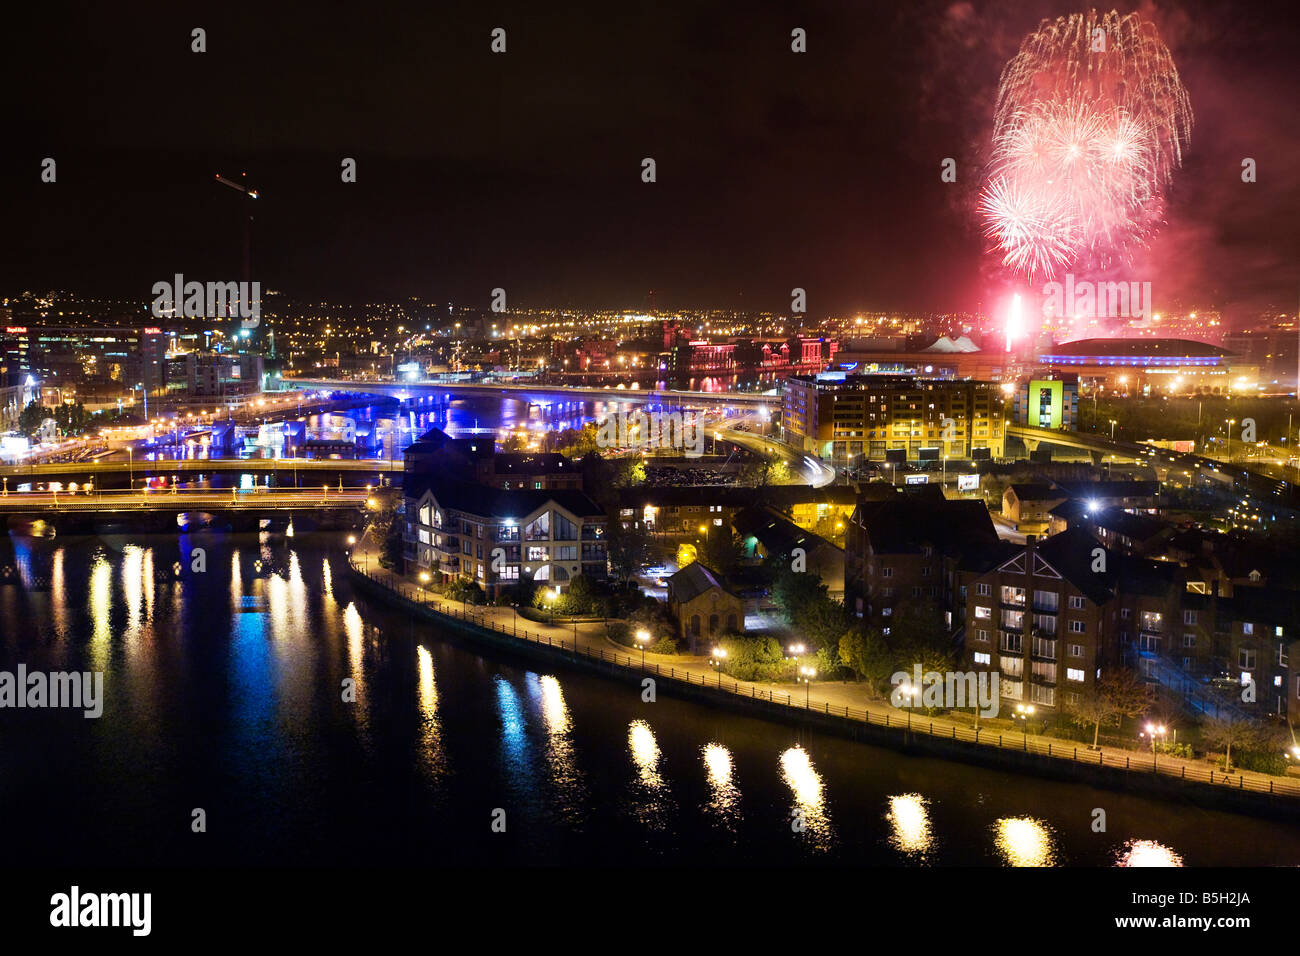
<point>544,395</point>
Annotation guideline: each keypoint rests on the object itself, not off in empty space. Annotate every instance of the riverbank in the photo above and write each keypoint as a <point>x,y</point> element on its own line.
<point>832,708</point>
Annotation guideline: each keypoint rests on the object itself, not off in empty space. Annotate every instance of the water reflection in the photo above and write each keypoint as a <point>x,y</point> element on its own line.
<point>909,817</point>
<point>101,606</point>
<point>431,750</point>
<point>652,804</point>
<point>59,597</point>
<point>808,814</point>
<point>1024,841</point>
<point>516,751</point>
<point>1146,853</point>
<point>561,761</point>
<point>645,753</point>
<point>354,630</point>
<point>724,800</point>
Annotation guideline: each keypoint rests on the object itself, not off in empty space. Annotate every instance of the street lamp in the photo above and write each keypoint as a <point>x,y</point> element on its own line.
<point>1112,429</point>
<point>424,582</point>
<point>1153,731</point>
<point>806,675</point>
<point>719,655</point>
<point>1024,712</point>
<point>643,638</point>
<point>909,694</point>
<point>793,652</point>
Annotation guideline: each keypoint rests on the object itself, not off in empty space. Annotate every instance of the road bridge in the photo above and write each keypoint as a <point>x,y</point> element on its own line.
<point>545,395</point>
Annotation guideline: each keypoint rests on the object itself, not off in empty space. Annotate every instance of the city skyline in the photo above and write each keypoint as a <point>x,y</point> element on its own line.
<point>775,170</point>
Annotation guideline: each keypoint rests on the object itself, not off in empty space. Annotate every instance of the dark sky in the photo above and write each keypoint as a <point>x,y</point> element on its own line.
<point>522,170</point>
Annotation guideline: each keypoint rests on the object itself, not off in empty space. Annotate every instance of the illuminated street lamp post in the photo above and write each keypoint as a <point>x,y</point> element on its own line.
<point>719,655</point>
<point>1153,731</point>
<point>643,638</point>
<point>794,650</point>
<point>1023,713</point>
<point>806,675</point>
<point>424,584</point>
<point>909,693</point>
<point>1112,429</point>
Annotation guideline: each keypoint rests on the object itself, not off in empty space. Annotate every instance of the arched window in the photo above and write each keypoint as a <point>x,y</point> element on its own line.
<point>713,623</point>
<point>695,624</point>
<point>731,622</point>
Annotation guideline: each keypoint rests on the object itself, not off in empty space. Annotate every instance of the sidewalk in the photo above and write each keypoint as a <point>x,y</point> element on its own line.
<point>836,698</point>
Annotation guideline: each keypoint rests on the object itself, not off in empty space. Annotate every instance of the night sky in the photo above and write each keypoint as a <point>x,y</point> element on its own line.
<point>522,170</point>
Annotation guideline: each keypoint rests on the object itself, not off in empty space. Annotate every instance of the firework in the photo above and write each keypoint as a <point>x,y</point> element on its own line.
<point>1091,122</point>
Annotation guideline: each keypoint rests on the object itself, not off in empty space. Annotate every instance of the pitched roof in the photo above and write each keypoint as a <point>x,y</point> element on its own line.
<point>692,581</point>
<point>526,463</point>
<point>1110,489</point>
<point>778,534</point>
<point>903,525</point>
<point>1036,491</point>
<point>476,499</point>
<point>1071,554</point>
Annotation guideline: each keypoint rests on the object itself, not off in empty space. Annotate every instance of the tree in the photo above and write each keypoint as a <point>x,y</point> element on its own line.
<point>1228,729</point>
<point>865,652</point>
<point>722,551</point>
<point>30,418</point>
<point>1118,693</point>
<point>629,550</point>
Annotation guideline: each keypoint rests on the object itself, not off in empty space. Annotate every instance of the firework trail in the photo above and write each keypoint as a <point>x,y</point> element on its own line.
<point>1091,122</point>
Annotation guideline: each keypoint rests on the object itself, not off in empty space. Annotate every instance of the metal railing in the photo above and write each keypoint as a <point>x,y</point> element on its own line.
<point>903,720</point>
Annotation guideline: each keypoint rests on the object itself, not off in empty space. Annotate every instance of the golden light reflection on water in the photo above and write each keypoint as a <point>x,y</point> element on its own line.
<point>101,598</point>
<point>809,810</point>
<point>725,801</point>
<point>1147,853</point>
<point>354,629</point>
<point>297,593</point>
<point>560,757</point>
<point>431,751</point>
<point>1025,841</point>
<point>328,586</point>
<point>132,588</point>
<point>277,606</point>
<point>645,753</point>
<point>909,816</point>
<point>654,807</point>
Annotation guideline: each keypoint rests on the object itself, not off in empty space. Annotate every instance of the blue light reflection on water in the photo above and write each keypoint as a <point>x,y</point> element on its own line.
<point>225,691</point>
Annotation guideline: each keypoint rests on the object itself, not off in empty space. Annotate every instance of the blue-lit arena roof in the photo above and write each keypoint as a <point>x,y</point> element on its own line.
<point>1145,353</point>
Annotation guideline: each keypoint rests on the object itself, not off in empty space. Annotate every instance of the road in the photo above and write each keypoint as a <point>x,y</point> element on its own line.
<point>815,473</point>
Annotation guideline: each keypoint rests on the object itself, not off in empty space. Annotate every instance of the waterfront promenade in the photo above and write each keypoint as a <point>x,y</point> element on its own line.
<point>831,703</point>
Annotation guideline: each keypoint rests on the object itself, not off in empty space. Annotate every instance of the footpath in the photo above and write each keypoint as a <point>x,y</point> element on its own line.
<point>845,707</point>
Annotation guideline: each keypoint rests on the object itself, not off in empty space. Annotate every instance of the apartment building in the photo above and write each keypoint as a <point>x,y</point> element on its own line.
<point>907,549</point>
<point>844,418</point>
<point>1040,616</point>
<point>496,537</point>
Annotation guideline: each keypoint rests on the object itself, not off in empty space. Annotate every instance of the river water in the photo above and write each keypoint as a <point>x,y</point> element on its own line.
<point>224,693</point>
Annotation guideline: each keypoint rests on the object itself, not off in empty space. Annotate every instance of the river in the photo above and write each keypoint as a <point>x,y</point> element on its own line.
<point>224,692</point>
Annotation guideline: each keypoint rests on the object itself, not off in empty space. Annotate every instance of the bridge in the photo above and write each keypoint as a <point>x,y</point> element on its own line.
<point>537,394</point>
<point>185,510</point>
<point>1163,461</point>
<point>78,470</point>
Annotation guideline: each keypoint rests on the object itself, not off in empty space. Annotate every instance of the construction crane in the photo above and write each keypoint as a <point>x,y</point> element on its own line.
<point>242,187</point>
